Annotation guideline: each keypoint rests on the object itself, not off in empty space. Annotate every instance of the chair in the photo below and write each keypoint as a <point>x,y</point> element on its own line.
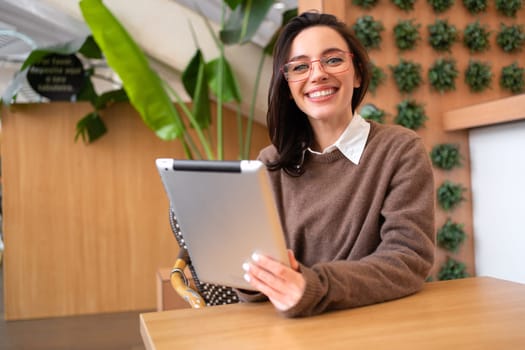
<point>206,294</point>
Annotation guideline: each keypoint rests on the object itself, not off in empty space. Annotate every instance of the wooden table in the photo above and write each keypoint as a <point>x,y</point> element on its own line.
<point>472,313</point>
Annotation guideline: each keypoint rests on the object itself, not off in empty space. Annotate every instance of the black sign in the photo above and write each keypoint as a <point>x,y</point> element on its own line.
<point>57,77</point>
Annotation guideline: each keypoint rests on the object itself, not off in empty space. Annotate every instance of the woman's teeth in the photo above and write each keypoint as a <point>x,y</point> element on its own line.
<point>321,93</point>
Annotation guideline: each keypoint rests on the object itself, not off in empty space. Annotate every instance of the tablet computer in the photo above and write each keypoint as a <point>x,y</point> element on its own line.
<point>226,211</point>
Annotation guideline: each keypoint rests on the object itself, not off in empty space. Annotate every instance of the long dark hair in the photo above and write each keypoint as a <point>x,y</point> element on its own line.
<point>289,128</point>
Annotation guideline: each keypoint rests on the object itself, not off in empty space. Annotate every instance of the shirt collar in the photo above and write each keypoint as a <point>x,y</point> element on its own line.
<point>352,141</point>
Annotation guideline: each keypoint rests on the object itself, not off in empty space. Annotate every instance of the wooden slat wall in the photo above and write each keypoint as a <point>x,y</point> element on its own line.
<point>436,104</point>
<point>86,226</point>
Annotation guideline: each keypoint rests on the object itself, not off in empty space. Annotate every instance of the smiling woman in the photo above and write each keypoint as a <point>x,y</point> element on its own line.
<point>356,198</point>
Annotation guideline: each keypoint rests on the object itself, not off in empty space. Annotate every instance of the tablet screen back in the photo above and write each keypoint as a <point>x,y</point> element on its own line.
<point>226,211</point>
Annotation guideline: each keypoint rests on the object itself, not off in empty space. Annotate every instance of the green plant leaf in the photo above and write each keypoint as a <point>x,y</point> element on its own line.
<point>90,48</point>
<point>378,77</point>
<point>88,93</point>
<point>445,156</point>
<point>368,31</point>
<point>513,78</point>
<point>230,87</point>
<point>405,5</point>
<point>410,114</point>
<point>90,128</point>
<point>110,97</point>
<point>475,6</point>
<point>407,75</point>
<point>365,4</point>
<point>370,112</point>
<point>244,21</point>
<point>232,4</point>
<point>442,74</point>
<point>509,8</point>
<point>442,35</point>
<point>449,195</point>
<point>440,6</point>
<point>450,236</point>
<point>195,81</point>
<point>452,269</point>
<point>511,38</point>
<point>478,75</point>
<point>406,33</point>
<point>476,37</point>
<point>143,85</point>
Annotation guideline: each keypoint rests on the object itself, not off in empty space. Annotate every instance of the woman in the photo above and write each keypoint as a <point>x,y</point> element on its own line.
<point>356,198</point>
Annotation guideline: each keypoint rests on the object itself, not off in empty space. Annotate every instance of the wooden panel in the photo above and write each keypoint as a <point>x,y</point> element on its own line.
<point>85,226</point>
<point>500,111</point>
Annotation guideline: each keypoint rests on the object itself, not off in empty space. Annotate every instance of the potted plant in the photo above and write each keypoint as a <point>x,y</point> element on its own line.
<point>407,75</point>
<point>513,78</point>
<point>440,6</point>
<point>452,269</point>
<point>476,37</point>
<point>410,114</point>
<point>368,31</point>
<point>365,4</point>
<point>406,34</point>
<point>478,75</point>
<point>370,112</point>
<point>509,8</point>
<point>450,236</point>
<point>377,78</point>
<point>405,5</point>
<point>153,99</point>
<point>445,156</point>
<point>475,6</point>
<point>511,38</point>
<point>449,195</point>
<point>442,75</point>
<point>201,77</point>
<point>442,35</point>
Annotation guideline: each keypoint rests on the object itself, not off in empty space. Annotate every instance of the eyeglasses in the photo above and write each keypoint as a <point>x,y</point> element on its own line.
<point>334,63</point>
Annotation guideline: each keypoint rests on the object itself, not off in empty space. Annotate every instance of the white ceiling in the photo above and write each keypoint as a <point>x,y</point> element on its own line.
<point>161,27</point>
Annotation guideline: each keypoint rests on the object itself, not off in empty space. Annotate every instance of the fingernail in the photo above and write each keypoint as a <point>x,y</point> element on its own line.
<point>255,257</point>
<point>247,277</point>
<point>246,267</point>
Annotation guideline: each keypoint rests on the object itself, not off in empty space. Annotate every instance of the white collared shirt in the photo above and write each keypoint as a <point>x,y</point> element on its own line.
<point>352,141</point>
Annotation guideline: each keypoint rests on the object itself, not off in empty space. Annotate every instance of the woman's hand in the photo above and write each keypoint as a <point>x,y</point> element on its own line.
<point>283,285</point>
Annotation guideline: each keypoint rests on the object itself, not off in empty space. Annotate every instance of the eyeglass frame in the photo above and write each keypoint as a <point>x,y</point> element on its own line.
<point>311,62</point>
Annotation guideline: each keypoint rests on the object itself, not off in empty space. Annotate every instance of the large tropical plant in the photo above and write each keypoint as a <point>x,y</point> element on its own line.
<point>153,98</point>
<point>201,78</point>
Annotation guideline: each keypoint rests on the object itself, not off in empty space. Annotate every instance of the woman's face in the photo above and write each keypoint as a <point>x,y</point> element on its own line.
<point>324,97</point>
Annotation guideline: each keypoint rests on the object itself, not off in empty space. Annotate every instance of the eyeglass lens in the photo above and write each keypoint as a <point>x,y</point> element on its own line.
<point>333,63</point>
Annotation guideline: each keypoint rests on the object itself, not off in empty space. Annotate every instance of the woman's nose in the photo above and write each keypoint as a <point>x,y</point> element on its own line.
<point>317,71</point>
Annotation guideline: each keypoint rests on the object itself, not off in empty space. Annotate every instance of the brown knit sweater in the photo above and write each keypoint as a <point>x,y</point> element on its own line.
<point>362,233</point>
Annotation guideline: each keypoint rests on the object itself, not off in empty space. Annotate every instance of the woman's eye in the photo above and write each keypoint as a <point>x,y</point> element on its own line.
<point>300,67</point>
<point>333,61</point>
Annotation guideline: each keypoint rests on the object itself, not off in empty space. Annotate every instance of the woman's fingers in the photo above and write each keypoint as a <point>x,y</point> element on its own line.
<point>284,286</point>
<point>294,264</point>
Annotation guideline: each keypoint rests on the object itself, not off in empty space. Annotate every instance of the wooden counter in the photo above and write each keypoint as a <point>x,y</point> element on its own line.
<point>472,313</point>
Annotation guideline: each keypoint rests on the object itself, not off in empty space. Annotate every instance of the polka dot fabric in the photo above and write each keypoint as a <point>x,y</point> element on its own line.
<point>211,293</point>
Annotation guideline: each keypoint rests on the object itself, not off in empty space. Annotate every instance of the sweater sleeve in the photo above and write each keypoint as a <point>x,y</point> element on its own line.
<point>404,256</point>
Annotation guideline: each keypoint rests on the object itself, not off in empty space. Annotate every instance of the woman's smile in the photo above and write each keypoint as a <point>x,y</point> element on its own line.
<point>321,94</point>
